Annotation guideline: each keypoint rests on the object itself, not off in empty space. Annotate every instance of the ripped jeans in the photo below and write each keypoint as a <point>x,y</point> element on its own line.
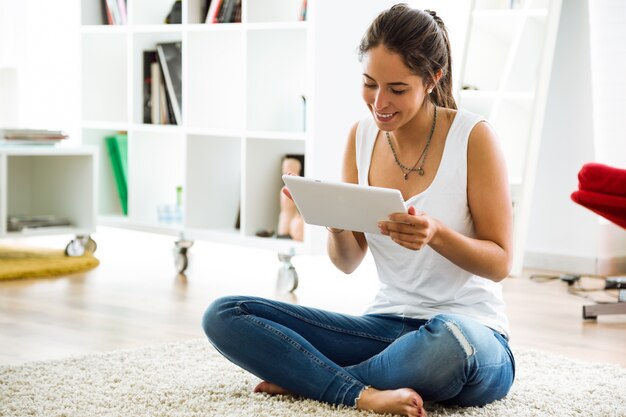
<point>332,357</point>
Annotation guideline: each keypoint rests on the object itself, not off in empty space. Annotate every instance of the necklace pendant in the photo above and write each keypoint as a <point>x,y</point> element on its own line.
<point>420,171</point>
<point>406,176</point>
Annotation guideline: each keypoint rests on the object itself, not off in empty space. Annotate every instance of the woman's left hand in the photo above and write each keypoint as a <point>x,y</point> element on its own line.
<point>413,229</point>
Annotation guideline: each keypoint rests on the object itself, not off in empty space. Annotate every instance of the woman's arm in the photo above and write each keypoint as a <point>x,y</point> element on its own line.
<point>490,253</point>
<point>345,248</point>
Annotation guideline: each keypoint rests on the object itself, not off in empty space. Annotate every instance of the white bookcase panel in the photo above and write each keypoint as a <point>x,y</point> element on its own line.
<point>104,77</point>
<point>148,12</point>
<point>155,170</point>
<point>273,11</point>
<point>213,189</point>
<point>215,69</point>
<point>263,182</point>
<point>276,79</point>
<point>91,15</point>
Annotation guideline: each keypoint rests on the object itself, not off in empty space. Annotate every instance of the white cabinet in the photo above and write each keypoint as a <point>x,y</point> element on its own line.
<point>505,77</point>
<point>48,181</point>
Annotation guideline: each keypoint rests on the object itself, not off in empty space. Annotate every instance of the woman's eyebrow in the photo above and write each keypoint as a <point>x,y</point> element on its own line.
<point>394,83</point>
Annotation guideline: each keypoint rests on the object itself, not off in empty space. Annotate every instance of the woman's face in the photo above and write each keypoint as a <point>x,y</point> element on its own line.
<point>391,91</point>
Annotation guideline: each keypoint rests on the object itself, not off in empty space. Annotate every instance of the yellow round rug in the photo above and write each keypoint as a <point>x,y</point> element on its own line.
<point>19,263</point>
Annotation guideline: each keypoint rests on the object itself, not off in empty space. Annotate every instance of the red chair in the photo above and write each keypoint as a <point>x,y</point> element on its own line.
<point>602,189</point>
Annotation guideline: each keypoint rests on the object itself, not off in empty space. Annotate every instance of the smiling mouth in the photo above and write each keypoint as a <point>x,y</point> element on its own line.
<point>384,117</point>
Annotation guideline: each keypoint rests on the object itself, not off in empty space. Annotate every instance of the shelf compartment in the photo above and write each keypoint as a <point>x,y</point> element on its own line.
<point>155,170</point>
<point>144,42</point>
<point>104,81</point>
<point>489,49</point>
<point>272,11</point>
<point>511,5</point>
<point>58,185</point>
<point>526,63</point>
<point>276,80</point>
<point>108,197</point>
<point>216,70</point>
<point>263,182</point>
<point>213,194</point>
<point>148,12</point>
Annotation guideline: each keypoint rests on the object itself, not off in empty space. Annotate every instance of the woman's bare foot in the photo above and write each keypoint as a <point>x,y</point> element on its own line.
<point>271,389</point>
<point>403,401</point>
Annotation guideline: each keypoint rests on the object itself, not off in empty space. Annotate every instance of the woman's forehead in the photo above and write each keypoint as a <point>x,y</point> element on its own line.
<point>379,62</point>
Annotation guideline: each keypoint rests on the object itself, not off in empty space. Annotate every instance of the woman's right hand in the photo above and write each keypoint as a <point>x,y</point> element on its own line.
<point>285,190</point>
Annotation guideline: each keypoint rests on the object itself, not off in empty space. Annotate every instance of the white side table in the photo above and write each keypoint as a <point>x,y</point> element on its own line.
<point>58,181</point>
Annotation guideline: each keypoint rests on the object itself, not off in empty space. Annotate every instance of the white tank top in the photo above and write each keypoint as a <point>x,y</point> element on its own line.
<point>421,284</point>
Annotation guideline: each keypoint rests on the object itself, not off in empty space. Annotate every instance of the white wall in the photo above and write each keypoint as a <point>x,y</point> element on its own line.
<point>39,40</point>
<point>584,123</point>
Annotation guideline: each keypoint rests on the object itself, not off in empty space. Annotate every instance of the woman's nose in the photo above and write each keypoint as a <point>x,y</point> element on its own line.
<point>380,101</point>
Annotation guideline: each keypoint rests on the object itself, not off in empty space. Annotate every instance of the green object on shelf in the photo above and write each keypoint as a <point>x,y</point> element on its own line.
<point>117,146</point>
<point>179,196</point>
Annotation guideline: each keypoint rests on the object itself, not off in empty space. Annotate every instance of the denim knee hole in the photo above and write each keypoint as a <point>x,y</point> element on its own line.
<point>460,337</point>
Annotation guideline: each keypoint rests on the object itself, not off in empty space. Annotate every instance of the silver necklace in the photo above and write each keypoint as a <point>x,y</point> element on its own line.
<point>420,170</point>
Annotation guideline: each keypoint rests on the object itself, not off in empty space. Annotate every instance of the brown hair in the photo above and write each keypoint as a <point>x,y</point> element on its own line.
<point>420,37</point>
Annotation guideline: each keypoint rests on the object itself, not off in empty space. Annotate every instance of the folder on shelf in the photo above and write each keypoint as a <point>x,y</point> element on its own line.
<point>117,146</point>
<point>170,58</point>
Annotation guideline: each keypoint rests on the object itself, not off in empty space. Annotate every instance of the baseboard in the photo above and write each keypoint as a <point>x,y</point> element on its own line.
<point>575,264</point>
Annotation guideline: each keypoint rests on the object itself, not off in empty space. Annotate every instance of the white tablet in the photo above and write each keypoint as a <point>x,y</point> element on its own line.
<point>343,205</point>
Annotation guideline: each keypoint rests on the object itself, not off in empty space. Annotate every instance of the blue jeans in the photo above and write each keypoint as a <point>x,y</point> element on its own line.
<point>331,357</point>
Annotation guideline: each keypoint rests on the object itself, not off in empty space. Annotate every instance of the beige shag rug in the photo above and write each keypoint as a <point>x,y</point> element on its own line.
<point>190,378</point>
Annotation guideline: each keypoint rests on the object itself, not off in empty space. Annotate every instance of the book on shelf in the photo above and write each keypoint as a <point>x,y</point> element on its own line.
<point>224,11</point>
<point>115,12</point>
<point>19,223</point>
<point>148,58</point>
<point>170,58</point>
<point>117,146</point>
<point>303,11</point>
<point>206,5</point>
<point>214,7</point>
<point>157,108</point>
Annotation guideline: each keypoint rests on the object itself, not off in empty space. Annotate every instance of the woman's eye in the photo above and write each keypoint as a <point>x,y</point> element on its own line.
<point>366,85</point>
<point>398,92</point>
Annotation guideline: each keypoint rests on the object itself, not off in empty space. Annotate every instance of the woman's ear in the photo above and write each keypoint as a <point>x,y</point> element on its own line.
<point>436,79</point>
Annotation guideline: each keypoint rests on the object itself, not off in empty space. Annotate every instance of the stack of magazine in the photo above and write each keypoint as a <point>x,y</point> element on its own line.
<point>19,223</point>
<point>31,137</point>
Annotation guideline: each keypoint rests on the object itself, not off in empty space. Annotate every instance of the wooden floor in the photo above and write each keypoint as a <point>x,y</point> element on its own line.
<point>134,298</point>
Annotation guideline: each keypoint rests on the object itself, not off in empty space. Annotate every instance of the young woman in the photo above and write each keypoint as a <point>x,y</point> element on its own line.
<point>436,331</point>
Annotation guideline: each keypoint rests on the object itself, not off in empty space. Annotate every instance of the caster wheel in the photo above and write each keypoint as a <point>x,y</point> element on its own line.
<point>91,246</point>
<point>79,245</point>
<point>181,262</point>
<point>287,280</point>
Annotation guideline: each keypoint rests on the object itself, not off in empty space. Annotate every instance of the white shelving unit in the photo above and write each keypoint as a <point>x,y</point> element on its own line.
<point>48,180</point>
<point>505,77</point>
<point>243,110</point>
